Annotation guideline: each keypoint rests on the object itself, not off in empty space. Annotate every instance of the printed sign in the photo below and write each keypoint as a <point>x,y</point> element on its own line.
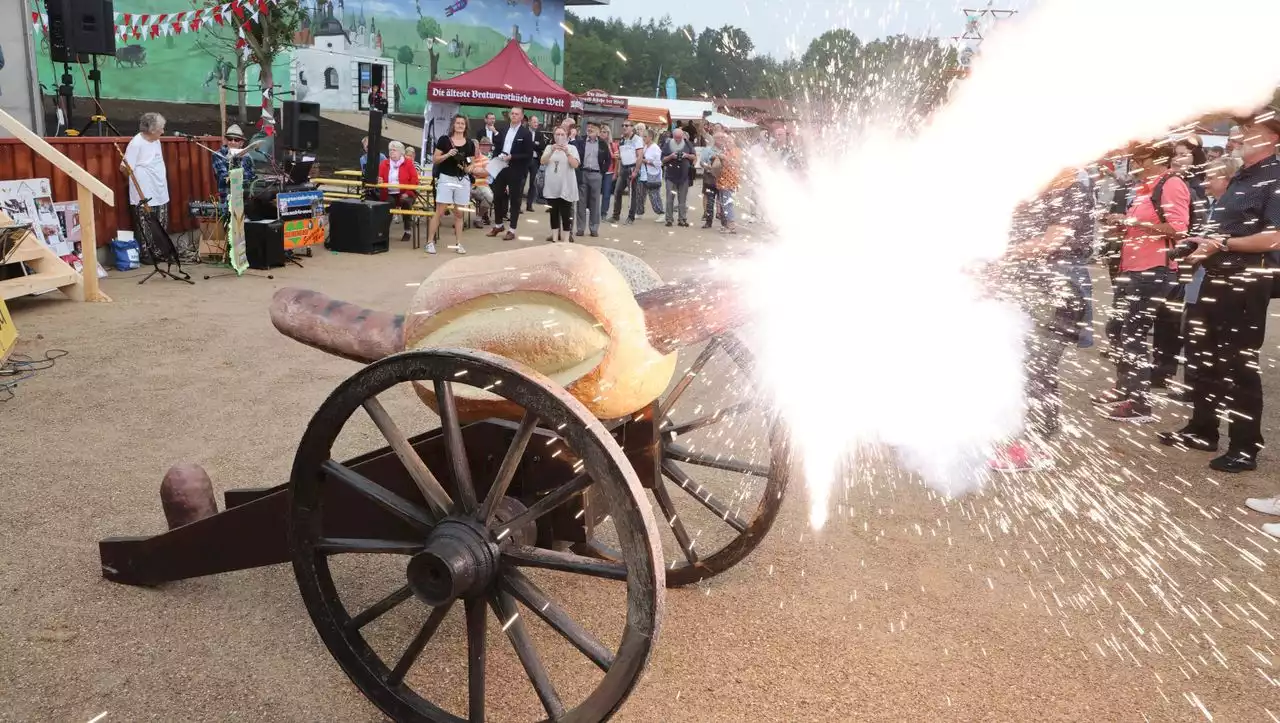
<point>477,96</point>
<point>8,333</point>
<point>303,218</point>
<point>599,97</point>
<point>236,254</point>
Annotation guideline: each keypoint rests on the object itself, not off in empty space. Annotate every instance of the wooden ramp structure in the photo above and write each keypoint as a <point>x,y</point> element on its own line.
<point>49,271</point>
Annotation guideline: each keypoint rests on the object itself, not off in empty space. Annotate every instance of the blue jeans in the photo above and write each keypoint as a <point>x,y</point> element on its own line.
<point>726,207</point>
<point>606,193</point>
<point>1082,283</point>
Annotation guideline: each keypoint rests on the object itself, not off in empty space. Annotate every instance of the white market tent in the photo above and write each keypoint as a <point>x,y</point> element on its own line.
<point>730,123</point>
<point>677,110</point>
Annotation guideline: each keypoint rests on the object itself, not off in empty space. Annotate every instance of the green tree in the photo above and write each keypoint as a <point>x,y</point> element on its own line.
<point>555,60</point>
<point>404,56</point>
<point>265,39</point>
<point>428,31</point>
<point>724,56</point>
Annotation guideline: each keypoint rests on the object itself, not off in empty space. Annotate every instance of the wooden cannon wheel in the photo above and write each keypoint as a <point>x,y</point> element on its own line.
<point>457,535</point>
<point>719,484</point>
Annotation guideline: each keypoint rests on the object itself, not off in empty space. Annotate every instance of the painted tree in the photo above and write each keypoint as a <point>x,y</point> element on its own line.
<point>429,30</point>
<point>253,38</point>
<point>555,62</point>
<point>404,56</point>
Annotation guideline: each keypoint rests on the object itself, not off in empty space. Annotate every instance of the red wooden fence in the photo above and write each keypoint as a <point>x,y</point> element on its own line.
<point>188,166</point>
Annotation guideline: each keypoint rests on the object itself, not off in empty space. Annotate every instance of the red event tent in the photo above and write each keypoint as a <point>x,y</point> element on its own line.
<point>508,79</point>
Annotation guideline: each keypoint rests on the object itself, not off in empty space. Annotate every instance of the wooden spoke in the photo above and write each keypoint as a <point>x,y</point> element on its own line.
<point>523,556</point>
<point>536,600</point>
<point>453,445</point>
<point>437,499</point>
<point>477,617</point>
<point>380,608</point>
<point>709,419</point>
<point>411,653</point>
<point>417,516</point>
<point>677,527</point>
<point>507,471</point>
<point>677,475</point>
<point>505,608</point>
<point>338,545</point>
<point>707,352</point>
<point>557,497</point>
<point>681,453</point>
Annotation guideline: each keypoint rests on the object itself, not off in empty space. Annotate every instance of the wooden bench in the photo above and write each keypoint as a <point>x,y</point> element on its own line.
<point>417,213</point>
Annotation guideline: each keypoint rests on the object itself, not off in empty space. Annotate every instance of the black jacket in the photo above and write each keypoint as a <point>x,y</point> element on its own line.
<point>581,144</point>
<point>521,148</point>
<point>540,142</point>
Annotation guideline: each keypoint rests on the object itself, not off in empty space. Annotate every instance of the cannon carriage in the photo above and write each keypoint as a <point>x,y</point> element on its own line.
<point>511,500</point>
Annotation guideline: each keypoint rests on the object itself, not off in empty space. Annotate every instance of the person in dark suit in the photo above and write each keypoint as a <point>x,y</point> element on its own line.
<point>514,147</point>
<point>535,163</point>
<point>593,157</point>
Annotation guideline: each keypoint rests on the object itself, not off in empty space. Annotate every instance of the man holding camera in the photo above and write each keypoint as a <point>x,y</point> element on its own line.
<point>1232,308</point>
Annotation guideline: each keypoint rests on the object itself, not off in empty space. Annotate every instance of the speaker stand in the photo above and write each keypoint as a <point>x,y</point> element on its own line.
<point>292,258</point>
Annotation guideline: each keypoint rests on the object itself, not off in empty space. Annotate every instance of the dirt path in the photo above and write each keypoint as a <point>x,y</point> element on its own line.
<point>1022,603</point>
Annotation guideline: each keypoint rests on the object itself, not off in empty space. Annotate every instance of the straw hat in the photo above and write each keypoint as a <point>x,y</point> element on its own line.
<point>233,131</point>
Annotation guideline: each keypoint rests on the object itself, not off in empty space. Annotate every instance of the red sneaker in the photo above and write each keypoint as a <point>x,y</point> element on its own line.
<point>1018,456</point>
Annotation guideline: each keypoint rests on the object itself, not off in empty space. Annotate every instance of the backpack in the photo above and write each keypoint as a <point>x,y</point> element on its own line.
<point>1199,211</point>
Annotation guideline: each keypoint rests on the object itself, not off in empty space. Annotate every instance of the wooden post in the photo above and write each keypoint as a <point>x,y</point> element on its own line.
<point>89,246</point>
<point>222,108</point>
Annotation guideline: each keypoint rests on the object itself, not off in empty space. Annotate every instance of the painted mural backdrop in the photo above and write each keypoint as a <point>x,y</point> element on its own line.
<point>436,39</point>
<point>166,65</point>
<point>425,39</point>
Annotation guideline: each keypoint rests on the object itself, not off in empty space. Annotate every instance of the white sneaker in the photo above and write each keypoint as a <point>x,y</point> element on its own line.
<point>1265,505</point>
<point>1272,528</point>
<point>459,249</point>
<point>431,247</point>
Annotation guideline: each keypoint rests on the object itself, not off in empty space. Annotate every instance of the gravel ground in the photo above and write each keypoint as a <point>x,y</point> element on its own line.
<point>1128,585</point>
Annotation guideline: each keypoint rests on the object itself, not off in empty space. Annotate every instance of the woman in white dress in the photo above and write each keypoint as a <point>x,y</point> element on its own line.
<point>560,188</point>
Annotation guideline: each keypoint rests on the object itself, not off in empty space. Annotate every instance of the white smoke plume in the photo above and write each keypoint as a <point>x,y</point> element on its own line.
<point>872,328</point>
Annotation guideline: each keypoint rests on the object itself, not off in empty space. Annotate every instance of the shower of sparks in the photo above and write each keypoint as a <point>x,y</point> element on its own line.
<point>620,55</point>
<point>891,362</point>
<point>931,364</point>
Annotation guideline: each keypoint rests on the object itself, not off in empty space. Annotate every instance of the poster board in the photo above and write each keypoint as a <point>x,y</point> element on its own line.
<point>302,216</point>
<point>236,255</point>
<point>30,200</point>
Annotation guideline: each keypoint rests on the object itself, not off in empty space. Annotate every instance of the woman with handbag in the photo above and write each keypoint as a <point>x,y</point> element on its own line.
<point>651,172</point>
<point>560,185</point>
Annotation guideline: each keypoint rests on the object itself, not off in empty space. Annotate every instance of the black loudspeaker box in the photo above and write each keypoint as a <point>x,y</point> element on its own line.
<point>264,244</point>
<point>300,126</point>
<point>359,227</point>
<point>80,28</point>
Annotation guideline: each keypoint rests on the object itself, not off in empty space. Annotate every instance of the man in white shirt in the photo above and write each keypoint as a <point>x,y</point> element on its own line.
<point>629,147</point>
<point>515,148</point>
<point>146,159</point>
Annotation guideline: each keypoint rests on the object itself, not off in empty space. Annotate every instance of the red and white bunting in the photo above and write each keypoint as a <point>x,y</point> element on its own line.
<point>146,26</point>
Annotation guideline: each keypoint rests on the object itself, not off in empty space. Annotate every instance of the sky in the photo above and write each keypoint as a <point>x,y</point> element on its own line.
<point>785,28</point>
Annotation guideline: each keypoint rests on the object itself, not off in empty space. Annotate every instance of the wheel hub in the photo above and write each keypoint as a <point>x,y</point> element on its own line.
<point>458,561</point>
